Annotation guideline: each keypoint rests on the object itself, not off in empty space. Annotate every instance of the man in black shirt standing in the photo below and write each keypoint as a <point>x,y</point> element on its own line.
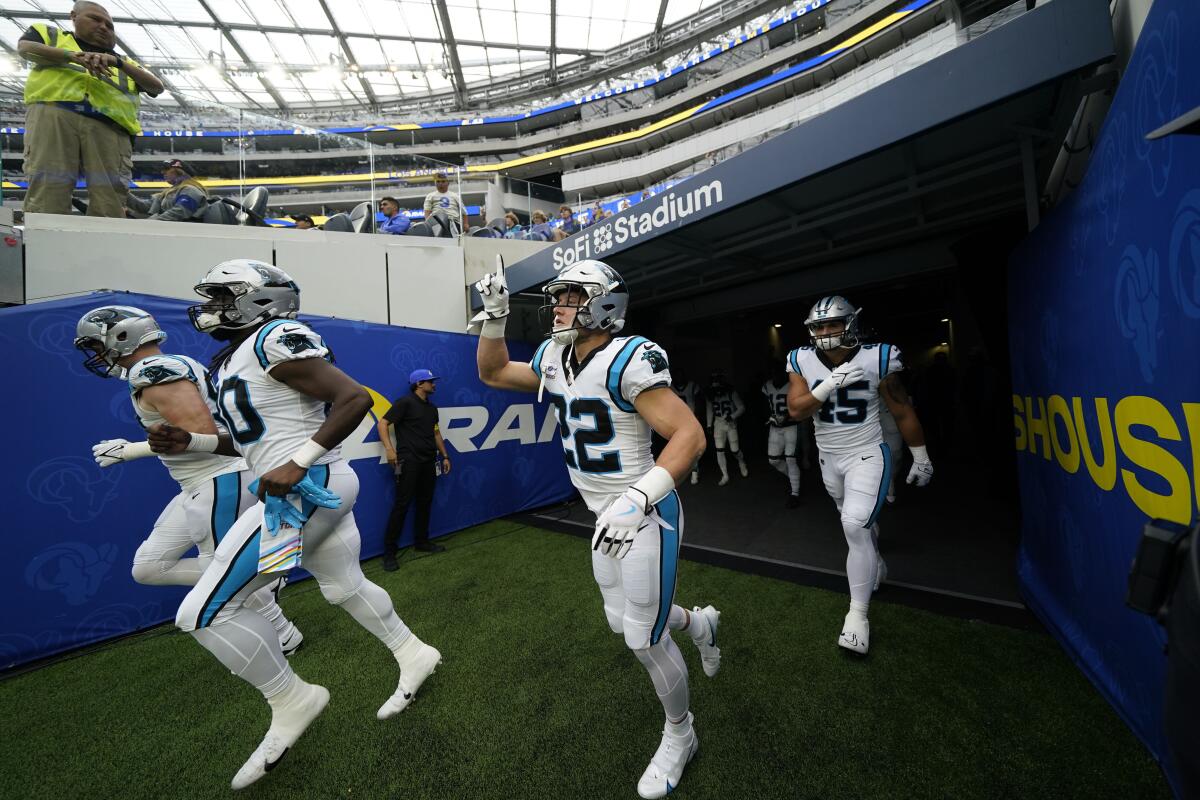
<point>412,455</point>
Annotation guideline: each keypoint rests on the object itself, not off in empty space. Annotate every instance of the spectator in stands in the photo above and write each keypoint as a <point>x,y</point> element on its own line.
<point>513,228</point>
<point>185,201</point>
<point>624,204</point>
<point>449,202</point>
<point>540,229</point>
<point>568,226</point>
<point>303,222</point>
<point>82,102</point>
<point>394,222</point>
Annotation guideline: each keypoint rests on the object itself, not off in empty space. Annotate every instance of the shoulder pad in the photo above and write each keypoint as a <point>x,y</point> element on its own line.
<point>154,370</point>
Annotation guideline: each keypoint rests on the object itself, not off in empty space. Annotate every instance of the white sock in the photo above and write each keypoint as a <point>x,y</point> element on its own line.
<point>407,650</point>
<point>668,672</point>
<point>859,609</point>
<point>680,619</point>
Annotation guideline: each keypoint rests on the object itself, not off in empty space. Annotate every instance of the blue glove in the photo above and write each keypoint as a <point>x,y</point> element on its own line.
<point>278,511</point>
<point>317,495</point>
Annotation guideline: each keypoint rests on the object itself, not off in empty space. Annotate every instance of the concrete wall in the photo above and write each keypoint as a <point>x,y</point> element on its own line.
<point>412,281</point>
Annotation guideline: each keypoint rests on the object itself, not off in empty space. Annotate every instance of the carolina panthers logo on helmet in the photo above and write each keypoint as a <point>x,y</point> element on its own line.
<point>296,342</point>
<point>658,361</point>
<point>157,374</point>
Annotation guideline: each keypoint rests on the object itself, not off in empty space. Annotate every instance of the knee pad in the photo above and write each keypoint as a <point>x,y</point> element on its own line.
<point>148,573</point>
<point>856,534</point>
<point>774,460</point>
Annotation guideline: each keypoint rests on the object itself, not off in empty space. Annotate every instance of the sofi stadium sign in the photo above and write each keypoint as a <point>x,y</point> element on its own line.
<point>647,219</point>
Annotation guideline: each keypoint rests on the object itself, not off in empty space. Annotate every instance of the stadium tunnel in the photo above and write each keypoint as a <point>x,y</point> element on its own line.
<point>908,199</point>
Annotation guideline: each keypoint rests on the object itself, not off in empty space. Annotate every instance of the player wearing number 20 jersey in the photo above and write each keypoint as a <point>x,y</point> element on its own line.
<point>840,382</point>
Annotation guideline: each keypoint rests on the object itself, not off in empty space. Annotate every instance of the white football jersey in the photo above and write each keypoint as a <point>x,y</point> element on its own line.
<point>267,419</point>
<point>849,420</point>
<point>188,469</point>
<point>776,397</point>
<point>605,441</point>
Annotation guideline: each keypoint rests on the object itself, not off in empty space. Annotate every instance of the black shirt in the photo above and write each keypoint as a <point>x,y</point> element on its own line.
<point>413,420</point>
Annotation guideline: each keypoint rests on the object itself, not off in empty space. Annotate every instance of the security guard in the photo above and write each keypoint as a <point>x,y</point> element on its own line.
<point>185,201</point>
<point>81,113</point>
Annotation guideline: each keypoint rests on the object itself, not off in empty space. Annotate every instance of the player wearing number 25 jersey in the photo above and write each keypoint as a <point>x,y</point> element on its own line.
<point>840,381</point>
<point>608,393</point>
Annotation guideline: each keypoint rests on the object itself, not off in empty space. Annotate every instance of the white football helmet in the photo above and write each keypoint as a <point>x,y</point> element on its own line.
<point>832,309</point>
<point>243,293</point>
<point>108,333</point>
<point>607,300</point>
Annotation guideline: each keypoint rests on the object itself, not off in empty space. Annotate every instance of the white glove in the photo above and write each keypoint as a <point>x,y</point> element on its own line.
<point>921,472</point>
<point>844,375</point>
<point>494,291</point>
<point>619,524</point>
<point>118,451</point>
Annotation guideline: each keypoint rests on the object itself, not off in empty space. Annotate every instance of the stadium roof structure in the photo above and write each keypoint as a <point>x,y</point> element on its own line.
<point>284,55</point>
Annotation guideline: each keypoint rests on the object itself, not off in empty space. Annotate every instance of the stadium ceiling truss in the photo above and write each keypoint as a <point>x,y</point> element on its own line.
<point>281,56</point>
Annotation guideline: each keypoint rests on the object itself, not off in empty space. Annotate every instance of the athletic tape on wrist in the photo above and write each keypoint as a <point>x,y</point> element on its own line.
<point>655,484</point>
<point>822,390</point>
<point>919,453</point>
<point>203,443</point>
<point>493,328</point>
<point>308,453</point>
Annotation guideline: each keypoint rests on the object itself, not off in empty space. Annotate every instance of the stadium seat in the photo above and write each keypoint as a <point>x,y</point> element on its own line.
<point>420,229</point>
<point>339,222</point>
<point>362,218</point>
<point>499,224</point>
<point>484,233</point>
<point>254,205</point>
<point>219,212</point>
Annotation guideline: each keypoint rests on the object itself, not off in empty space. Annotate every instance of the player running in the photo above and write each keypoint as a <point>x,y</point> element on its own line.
<point>782,432</point>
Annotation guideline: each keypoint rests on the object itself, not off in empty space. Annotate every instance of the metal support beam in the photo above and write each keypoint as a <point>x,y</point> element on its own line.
<point>656,41</point>
<point>183,103</point>
<point>553,42</point>
<point>1029,178</point>
<point>227,32</point>
<point>16,14</point>
<point>341,37</point>
<point>451,50</point>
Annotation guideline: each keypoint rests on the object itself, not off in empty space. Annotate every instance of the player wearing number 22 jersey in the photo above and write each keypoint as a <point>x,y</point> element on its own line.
<point>608,392</point>
<point>840,381</point>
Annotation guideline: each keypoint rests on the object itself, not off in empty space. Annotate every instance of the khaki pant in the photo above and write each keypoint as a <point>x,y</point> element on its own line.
<point>60,145</point>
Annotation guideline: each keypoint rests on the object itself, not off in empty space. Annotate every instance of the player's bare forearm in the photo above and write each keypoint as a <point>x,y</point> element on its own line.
<point>800,402</point>
<point>348,401</point>
<point>497,371</point>
<point>895,396</point>
<point>674,421</point>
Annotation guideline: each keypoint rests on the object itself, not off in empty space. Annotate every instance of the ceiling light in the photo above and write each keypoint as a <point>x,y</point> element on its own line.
<point>947,319</point>
<point>945,344</point>
<point>778,324</point>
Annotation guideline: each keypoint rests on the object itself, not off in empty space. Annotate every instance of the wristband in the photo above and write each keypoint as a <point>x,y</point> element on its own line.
<point>135,450</point>
<point>822,391</point>
<point>308,453</point>
<point>203,443</point>
<point>919,453</point>
<point>655,485</point>
<point>493,328</point>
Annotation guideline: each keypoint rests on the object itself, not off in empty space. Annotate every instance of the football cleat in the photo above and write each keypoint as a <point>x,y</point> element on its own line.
<point>880,573</point>
<point>710,654</point>
<point>745,471</point>
<point>856,633</point>
<point>291,643</point>
<point>287,725</point>
<point>412,675</point>
<point>793,501</point>
<point>724,480</point>
<point>666,766</point>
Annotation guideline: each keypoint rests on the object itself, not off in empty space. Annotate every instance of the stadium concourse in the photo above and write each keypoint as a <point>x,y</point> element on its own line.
<point>822,354</point>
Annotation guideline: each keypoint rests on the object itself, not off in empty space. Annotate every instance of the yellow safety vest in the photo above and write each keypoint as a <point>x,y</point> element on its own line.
<point>115,96</point>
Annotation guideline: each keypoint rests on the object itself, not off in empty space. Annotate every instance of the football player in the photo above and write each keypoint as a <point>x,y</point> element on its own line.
<point>724,407</point>
<point>840,381</point>
<point>287,409</point>
<point>123,342</point>
<point>689,393</point>
<point>609,392</point>
<point>782,432</point>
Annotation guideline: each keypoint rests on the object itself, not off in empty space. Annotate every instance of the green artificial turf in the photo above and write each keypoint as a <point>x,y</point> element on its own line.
<point>537,698</point>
